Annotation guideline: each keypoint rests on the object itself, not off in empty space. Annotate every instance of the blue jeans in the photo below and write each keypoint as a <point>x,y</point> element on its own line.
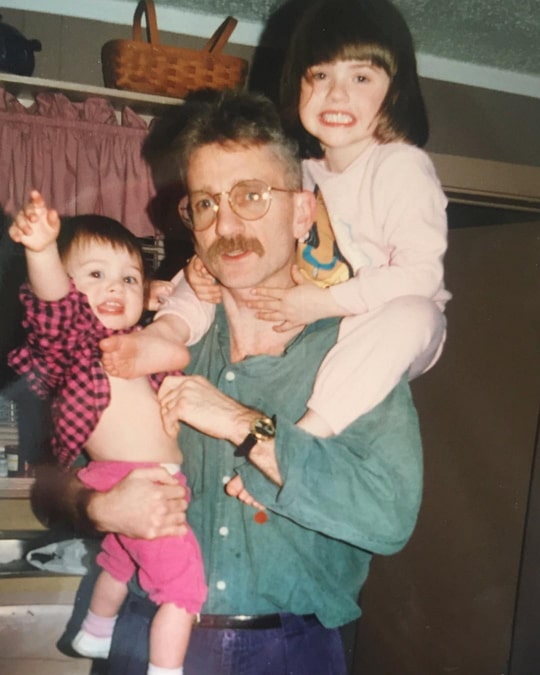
<point>297,648</point>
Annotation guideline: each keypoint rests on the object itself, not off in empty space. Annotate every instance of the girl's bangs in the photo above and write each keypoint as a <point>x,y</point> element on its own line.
<point>376,54</point>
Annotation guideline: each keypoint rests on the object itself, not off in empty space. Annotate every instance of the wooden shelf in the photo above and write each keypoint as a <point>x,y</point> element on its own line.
<point>143,104</point>
<point>15,488</point>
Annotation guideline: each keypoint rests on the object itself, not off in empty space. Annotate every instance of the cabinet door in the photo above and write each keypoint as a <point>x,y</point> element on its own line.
<point>446,603</point>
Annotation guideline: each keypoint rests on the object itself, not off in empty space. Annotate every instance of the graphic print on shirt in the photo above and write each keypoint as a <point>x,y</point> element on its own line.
<point>319,257</point>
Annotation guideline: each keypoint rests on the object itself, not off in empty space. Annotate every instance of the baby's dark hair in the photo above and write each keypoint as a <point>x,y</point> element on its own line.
<point>370,30</point>
<point>91,227</point>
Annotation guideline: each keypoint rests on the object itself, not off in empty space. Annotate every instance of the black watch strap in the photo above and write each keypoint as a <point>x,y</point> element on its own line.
<point>245,446</point>
<point>263,428</point>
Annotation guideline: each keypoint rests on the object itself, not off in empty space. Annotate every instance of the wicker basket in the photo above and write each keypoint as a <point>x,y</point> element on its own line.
<point>151,68</point>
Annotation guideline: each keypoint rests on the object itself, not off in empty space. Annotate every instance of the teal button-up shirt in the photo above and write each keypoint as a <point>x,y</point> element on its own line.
<point>343,498</point>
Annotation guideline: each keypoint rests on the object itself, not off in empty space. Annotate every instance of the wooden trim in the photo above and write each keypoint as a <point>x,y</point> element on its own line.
<point>489,183</point>
<point>15,488</point>
<point>143,104</point>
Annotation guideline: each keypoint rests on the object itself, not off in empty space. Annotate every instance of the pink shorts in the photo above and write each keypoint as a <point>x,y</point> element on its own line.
<point>170,569</point>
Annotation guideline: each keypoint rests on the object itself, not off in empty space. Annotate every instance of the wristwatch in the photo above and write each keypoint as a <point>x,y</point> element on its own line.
<point>262,428</point>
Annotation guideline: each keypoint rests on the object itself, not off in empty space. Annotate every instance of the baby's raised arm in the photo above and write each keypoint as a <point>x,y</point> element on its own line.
<point>36,227</point>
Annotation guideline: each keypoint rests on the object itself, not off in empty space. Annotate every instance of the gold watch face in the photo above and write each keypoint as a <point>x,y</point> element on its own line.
<point>263,428</point>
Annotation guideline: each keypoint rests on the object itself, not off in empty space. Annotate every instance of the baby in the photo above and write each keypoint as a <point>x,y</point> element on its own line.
<point>86,282</point>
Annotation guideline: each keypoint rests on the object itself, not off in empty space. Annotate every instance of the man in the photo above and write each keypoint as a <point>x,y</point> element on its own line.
<point>280,585</point>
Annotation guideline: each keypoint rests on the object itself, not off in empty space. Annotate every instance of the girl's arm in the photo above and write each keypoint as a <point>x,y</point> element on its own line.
<point>36,227</point>
<point>407,213</point>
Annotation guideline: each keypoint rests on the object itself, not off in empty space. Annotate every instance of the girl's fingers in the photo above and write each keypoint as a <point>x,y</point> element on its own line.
<point>270,293</point>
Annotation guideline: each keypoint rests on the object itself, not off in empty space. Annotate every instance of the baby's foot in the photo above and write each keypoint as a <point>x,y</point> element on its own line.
<point>91,646</point>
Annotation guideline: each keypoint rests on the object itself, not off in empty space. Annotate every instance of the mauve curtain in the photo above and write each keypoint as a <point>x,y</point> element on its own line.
<point>78,156</point>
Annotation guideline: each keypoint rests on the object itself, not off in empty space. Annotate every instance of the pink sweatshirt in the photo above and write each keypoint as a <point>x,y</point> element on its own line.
<point>387,211</point>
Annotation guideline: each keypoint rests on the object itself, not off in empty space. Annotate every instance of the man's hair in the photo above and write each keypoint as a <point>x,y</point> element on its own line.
<point>233,117</point>
<point>76,230</point>
<point>370,30</point>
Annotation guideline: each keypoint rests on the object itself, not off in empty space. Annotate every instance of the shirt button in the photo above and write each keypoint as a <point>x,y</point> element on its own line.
<point>225,480</point>
<point>224,531</point>
<point>221,585</point>
<point>230,376</point>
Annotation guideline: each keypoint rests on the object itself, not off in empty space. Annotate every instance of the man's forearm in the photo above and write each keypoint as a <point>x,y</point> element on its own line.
<point>263,453</point>
<point>59,499</point>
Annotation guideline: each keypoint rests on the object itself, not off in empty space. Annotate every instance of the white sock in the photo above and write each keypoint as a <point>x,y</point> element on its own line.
<point>156,670</point>
<point>91,646</point>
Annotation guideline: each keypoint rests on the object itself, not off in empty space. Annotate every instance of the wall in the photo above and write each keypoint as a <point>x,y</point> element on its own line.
<point>465,121</point>
<point>71,47</point>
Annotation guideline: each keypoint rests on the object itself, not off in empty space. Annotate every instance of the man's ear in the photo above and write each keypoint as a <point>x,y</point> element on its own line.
<point>305,205</point>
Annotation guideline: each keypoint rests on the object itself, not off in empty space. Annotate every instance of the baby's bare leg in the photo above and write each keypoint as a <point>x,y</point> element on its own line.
<point>108,595</point>
<point>169,636</point>
<point>94,638</point>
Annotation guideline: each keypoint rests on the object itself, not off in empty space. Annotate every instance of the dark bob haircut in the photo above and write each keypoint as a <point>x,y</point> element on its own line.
<point>370,30</point>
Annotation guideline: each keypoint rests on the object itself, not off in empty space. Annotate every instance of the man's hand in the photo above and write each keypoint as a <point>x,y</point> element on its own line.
<point>35,227</point>
<point>192,399</point>
<point>146,504</point>
<point>202,282</point>
<point>294,307</point>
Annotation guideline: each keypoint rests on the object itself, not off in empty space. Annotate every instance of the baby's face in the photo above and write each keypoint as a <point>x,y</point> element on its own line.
<point>112,280</point>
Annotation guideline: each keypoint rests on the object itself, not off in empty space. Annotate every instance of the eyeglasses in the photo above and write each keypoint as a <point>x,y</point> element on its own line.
<point>249,199</point>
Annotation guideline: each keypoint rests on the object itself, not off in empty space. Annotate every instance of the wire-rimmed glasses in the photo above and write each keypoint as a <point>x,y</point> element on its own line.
<point>249,199</point>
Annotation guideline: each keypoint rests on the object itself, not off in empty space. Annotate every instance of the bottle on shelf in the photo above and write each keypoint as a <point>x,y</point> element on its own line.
<point>12,456</point>
<point>3,463</point>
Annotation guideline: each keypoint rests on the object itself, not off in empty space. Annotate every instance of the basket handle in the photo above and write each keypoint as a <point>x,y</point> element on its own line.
<point>147,8</point>
<point>219,39</point>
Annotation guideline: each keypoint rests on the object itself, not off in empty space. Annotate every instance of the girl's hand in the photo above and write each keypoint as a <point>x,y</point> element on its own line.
<point>294,307</point>
<point>202,282</point>
<point>158,292</point>
<point>35,227</point>
<point>235,488</point>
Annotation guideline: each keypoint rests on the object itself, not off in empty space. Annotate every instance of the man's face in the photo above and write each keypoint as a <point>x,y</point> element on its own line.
<point>243,253</point>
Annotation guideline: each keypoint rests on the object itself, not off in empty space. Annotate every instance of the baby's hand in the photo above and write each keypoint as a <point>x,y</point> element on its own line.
<point>202,282</point>
<point>159,291</point>
<point>35,227</point>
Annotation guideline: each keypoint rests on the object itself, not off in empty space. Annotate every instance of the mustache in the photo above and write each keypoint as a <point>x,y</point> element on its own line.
<point>237,244</point>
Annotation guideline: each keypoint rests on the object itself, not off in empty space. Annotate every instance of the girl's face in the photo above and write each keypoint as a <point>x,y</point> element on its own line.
<point>339,105</point>
<point>112,280</point>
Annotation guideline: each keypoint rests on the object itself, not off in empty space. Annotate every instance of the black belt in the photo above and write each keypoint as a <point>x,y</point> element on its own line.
<point>144,607</point>
<point>253,621</point>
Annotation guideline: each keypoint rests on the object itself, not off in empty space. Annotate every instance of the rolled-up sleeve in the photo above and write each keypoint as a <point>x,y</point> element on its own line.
<point>362,487</point>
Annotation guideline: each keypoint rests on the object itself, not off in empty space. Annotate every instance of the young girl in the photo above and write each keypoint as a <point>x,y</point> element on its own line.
<point>88,286</point>
<point>350,90</point>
